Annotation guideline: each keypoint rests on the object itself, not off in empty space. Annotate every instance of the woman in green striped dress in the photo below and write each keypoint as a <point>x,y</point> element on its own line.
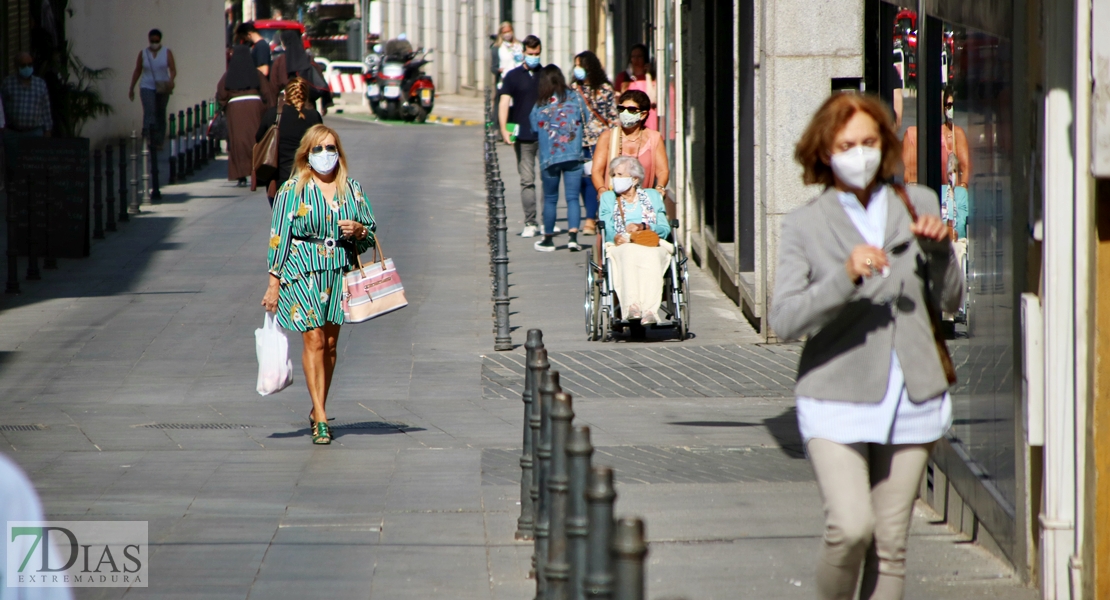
<point>321,220</point>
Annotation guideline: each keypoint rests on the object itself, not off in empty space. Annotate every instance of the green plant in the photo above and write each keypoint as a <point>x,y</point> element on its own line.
<point>79,100</point>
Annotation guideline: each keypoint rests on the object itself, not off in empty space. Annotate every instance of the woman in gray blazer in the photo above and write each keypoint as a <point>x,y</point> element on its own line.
<point>860,268</point>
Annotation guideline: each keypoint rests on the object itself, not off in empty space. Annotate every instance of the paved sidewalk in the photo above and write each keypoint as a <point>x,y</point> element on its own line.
<point>126,392</point>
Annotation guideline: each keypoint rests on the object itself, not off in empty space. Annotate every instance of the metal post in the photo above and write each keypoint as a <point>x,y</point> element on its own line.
<point>32,260</point>
<point>503,339</point>
<point>537,366</point>
<point>188,146</point>
<point>13,258</point>
<point>215,142</point>
<point>123,215</point>
<point>133,197</point>
<point>557,568</point>
<point>98,200</point>
<point>204,133</point>
<point>196,138</point>
<point>173,150</point>
<point>579,452</point>
<point>110,189</point>
<point>629,551</point>
<point>600,498</point>
<point>181,146</point>
<point>155,191</point>
<point>525,524</point>
<point>549,386</point>
<point>146,168</point>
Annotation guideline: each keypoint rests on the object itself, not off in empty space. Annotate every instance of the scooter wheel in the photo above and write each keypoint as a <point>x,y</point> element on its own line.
<point>421,115</point>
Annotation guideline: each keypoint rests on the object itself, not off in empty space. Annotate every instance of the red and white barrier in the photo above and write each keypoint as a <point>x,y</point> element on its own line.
<point>344,83</point>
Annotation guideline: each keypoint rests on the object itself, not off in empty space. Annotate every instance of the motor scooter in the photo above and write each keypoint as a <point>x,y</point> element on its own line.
<point>399,88</point>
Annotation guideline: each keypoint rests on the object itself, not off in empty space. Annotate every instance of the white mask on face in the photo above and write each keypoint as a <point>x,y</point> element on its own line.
<point>629,119</point>
<point>323,162</point>
<point>621,184</point>
<point>857,166</point>
<point>950,113</point>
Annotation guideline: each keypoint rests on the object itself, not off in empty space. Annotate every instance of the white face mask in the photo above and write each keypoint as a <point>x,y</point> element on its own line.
<point>950,113</point>
<point>857,166</point>
<point>323,162</point>
<point>508,37</point>
<point>622,184</point>
<point>154,47</point>
<point>629,119</point>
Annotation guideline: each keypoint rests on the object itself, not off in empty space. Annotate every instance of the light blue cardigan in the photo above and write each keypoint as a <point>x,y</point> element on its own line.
<point>634,214</point>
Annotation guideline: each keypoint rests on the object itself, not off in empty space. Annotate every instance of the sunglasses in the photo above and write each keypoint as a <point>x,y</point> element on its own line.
<point>318,149</point>
<point>949,105</point>
<point>632,109</point>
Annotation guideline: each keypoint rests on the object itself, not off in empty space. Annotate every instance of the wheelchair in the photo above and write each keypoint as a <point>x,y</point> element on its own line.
<point>603,309</point>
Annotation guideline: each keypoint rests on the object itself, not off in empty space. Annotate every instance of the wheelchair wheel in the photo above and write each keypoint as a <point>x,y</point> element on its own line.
<point>592,301</point>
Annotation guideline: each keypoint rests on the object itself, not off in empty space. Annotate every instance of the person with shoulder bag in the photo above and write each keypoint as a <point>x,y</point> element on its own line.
<point>320,223</point>
<point>863,272</point>
<point>593,87</point>
<point>297,118</point>
<point>155,72</point>
<point>557,118</point>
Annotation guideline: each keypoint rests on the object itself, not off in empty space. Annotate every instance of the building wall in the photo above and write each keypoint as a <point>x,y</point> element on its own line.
<point>803,45</point>
<point>110,33</point>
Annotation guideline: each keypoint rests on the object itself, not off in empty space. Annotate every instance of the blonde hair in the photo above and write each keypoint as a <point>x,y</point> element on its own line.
<point>296,94</point>
<point>315,137</point>
<point>502,26</point>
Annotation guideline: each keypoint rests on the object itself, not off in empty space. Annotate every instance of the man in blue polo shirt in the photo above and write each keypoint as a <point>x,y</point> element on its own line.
<point>517,97</point>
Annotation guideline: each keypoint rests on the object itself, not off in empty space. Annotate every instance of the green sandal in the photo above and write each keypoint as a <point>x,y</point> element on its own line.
<point>321,436</point>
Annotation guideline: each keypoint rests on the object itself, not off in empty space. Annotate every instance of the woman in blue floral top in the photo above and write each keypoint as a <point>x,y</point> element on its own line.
<point>321,220</point>
<point>593,87</point>
<point>558,119</point>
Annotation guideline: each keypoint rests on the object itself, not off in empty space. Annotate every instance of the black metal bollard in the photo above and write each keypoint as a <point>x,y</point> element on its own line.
<point>537,367</point>
<point>600,497</point>
<point>109,188</point>
<point>549,386</point>
<point>98,200</point>
<point>181,173</point>
<point>503,339</point>
<point>196,137</point>
<point>133,200</point>
<point>145,156</point>
<point>525,523</point>
<point>204,133</point>
<point>188,147</point>
<point>155,189</point>
<point>123,215</point>
<point>579,452</point>
<point>558,569</point>
<point>629,551</point>
<point>172,137</point>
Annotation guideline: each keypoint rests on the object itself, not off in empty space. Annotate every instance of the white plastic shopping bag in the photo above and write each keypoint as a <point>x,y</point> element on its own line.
<point>275,370</point>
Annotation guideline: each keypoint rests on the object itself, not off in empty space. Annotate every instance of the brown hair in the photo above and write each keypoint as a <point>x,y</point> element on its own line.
<point>313,137</point>
<point>813,149</point>
<point>640,98</point>
<point>296,93</point>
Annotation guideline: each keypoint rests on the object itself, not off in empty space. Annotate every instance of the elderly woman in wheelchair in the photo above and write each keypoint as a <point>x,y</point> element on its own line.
<point>635,227</point>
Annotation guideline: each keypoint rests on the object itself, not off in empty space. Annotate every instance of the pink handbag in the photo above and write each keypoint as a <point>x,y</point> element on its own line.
<point>372,291</point>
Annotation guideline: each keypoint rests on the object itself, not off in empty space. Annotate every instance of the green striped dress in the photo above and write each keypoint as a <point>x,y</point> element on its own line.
<point>311,274</point>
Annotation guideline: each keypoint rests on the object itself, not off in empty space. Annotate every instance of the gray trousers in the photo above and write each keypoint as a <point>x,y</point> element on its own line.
<point>526,167</point>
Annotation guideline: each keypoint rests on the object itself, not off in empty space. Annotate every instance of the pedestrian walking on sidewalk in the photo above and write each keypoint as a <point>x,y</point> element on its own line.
<point>872,386</point>
<point>507,52</point>
<point>321,221</point>
<point>296,118</point>
<point>260,48</point>
<point>243,92</point>
<point>592,85</point>
<point>155,72</point>
<point>632,139</point>
<point>26,102</point>
<point>557,118</point>
<point>519,89</point>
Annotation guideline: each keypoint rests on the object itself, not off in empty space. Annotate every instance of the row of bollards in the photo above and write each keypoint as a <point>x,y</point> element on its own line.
<point>135,160</point>
<point>566,502</point>
<point>498,234</point>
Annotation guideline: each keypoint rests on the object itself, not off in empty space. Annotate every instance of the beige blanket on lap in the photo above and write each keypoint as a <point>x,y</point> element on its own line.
<point>638,275</point>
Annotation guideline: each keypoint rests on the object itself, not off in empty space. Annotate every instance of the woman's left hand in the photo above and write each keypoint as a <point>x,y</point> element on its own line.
<point>352,229</point>
<point>930,227</point>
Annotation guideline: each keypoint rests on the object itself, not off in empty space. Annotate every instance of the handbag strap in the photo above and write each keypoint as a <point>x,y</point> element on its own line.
<point>150,61</point>
<point>590,105</point>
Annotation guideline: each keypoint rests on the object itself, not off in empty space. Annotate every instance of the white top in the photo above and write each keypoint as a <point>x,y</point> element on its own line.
<point>19,502</point>
<point>160,65</point>
<point>896,419</point>
<point>506,53</point>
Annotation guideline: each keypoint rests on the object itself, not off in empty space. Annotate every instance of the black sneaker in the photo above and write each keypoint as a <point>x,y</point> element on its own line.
<point>544,245</point>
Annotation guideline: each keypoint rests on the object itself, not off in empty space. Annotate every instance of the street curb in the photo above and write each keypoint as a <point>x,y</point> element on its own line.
<point>452,121</point>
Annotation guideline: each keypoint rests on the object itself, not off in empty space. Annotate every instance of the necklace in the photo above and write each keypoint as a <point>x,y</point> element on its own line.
<point>636,140</point>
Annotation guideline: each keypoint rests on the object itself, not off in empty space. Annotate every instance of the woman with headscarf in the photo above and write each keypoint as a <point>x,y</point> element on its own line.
<point>244,94</point>
<point>299,64</point>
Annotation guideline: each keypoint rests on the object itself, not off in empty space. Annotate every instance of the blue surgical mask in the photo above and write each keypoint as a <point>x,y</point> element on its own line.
<point>26,72</point>
<point>518,57</point>
<point>532,61</point>
<point>580,73</point>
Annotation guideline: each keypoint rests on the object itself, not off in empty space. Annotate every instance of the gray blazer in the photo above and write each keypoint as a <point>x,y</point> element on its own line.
<point>851,329</point>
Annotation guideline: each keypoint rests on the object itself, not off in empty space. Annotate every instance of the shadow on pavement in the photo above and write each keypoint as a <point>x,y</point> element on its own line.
<point>784,428</point>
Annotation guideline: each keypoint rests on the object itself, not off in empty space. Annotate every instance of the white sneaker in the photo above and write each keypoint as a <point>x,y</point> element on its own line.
<point>556,230</point>
<point>573,246</point>
<point>544,245</point>
<point>530,231</point>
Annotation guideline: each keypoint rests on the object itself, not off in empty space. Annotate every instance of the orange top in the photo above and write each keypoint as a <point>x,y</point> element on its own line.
<point>644,151</point>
